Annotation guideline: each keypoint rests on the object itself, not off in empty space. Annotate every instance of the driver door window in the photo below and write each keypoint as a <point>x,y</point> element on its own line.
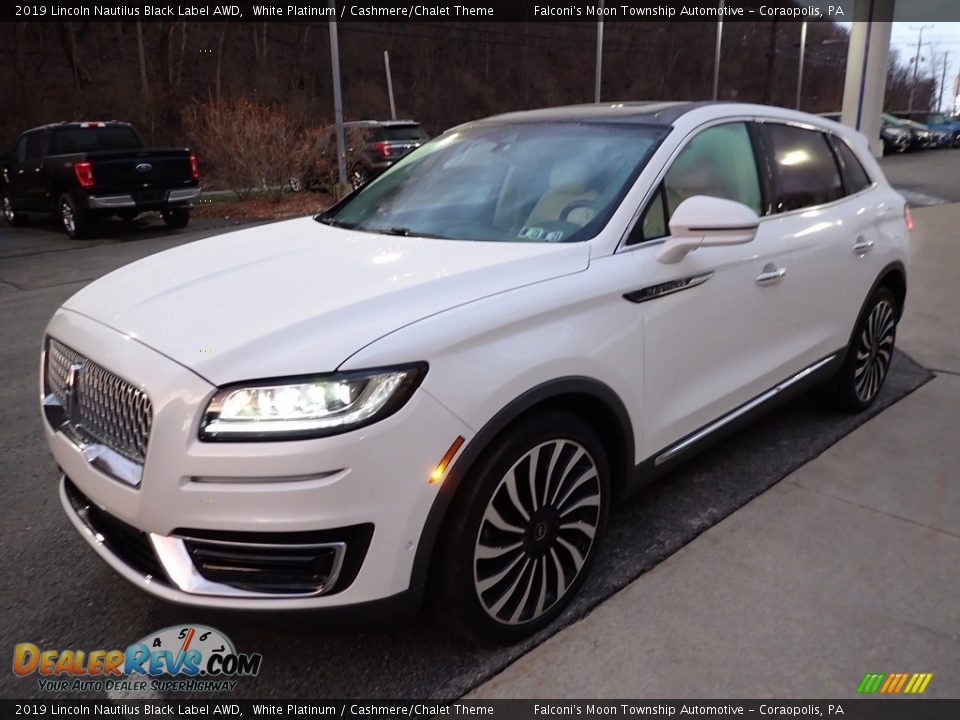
<point>718,162</point>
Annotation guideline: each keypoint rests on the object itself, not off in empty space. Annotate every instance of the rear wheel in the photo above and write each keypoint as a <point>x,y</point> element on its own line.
<point>869,354</point>
<point>176,217</point>
<point>521,538</point>
<point>76,221</point>
<point>13,218</point>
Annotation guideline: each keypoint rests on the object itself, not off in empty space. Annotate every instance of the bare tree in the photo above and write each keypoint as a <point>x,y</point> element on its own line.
<point>141,53</point>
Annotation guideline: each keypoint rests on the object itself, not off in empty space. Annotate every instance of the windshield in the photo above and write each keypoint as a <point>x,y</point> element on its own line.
<point>556,182</point>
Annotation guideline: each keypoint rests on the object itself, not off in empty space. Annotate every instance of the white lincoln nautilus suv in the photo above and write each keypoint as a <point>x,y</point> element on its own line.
<point>440,386</point>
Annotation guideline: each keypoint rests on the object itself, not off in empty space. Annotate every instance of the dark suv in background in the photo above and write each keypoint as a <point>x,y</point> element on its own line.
<point>371,147</point>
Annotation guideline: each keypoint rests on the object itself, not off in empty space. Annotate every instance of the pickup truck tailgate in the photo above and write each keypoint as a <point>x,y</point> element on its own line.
<point>140,169</point>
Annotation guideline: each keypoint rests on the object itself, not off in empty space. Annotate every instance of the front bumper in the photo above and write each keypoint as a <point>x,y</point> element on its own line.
<point>254,494</point>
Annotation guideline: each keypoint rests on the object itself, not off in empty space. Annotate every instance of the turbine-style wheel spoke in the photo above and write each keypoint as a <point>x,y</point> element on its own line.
<point>511,485</point>
<point>493,516</point>
<point>875,351</point>
<point>531,546</point>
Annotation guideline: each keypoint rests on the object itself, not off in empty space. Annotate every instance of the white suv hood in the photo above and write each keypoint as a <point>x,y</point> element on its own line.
<point>299,297</point>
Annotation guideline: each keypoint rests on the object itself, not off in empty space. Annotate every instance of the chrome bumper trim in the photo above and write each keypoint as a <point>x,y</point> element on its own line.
<point>176,562</point>
<point>184,194</point>
<point>106,202</point>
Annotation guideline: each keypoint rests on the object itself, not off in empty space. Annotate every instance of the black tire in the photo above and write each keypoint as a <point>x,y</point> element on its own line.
<point>478,590</point>
<point>867,362</point>
<point>359,176</point>
<point>176,218</point>
<point>13,218</point>
<point>76,221</point>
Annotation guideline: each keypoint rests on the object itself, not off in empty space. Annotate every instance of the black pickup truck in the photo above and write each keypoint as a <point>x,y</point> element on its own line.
<point>84,171</point>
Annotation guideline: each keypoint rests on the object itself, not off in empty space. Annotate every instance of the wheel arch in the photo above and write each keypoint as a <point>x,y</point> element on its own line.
<point>591,399</point>
<point>893,276</point>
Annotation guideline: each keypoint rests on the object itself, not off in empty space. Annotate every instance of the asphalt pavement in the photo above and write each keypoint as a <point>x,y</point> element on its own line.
<point>56,593</point>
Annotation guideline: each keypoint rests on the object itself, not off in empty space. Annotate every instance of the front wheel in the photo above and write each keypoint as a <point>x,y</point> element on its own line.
<point>13,218</point>
<point>176,217</point>
<point>869,354</point>
<point>521,538</point>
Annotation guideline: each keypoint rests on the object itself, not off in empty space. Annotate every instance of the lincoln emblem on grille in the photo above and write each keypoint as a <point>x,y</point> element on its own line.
<point>70,390</point>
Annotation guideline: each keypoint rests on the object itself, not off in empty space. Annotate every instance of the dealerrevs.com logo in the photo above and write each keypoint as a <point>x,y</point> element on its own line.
<point>191,658</point>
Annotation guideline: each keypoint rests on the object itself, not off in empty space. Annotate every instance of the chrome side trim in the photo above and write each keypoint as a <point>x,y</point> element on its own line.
<point>651,292</point>
<point>110,201</point>
<point>184,194</point>
<point>683,445</point>
<point>176,562</point>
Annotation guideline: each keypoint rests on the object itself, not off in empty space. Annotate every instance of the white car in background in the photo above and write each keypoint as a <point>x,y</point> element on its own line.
<point>443,384</point>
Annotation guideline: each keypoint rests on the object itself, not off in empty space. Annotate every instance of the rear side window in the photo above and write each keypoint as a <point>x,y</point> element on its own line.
<point>74,140</point>
<point>34,147</point>
<point>401,133</point>
<point>855,178</point>
<point>807,171</point>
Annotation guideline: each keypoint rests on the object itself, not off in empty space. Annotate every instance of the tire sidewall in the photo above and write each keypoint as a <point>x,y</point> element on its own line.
<point>845,389</point>
<point>79,221</point>
<point>459,606</point>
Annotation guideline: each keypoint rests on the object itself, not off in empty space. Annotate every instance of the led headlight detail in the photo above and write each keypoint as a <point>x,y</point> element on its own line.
<point>308,407</point>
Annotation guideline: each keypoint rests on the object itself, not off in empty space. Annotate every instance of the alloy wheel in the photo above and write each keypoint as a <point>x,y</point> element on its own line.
<point>537,532</point>
<point>875,350</point>
<point>8,210</point>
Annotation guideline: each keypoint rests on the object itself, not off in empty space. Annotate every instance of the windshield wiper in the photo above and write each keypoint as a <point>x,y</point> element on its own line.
<point>407,232</point>
<point>336,223</point>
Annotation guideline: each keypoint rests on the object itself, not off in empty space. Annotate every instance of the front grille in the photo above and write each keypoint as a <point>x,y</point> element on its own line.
<point>99,405</point>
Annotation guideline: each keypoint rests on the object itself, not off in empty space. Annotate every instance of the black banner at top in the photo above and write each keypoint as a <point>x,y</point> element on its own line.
<point>477,10</point>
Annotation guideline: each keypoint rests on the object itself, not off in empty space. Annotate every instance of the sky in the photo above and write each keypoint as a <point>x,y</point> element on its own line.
<point>938,38</point>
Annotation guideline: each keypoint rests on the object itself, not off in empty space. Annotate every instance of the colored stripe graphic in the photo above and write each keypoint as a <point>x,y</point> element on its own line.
<point>894,683</point>
<point>870,683</point>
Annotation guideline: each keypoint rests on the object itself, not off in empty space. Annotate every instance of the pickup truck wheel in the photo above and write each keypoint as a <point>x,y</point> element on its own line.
<point>76,221</point>
<point>176,217</point>
<point>13,218</point>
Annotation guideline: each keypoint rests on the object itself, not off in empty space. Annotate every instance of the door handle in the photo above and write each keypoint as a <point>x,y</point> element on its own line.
<point>771,274</point>
<point>862,246</point>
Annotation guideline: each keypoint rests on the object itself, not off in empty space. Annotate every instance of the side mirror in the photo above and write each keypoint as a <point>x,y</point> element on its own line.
<point>703,221</point>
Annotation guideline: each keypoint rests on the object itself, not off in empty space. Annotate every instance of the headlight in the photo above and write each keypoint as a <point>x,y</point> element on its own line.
<point>308,407</point>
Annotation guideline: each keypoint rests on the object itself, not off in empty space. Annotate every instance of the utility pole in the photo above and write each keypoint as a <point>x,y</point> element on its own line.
<point>596,84</point>
<point>716,56</point>
<point>337,99</point>
<point>803,49</point>
<point>943,80</point>
<point>386,66</point>
<point>916,66</point>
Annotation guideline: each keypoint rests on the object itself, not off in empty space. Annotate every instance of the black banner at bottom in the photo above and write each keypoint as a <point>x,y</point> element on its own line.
<point>858,709</point>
